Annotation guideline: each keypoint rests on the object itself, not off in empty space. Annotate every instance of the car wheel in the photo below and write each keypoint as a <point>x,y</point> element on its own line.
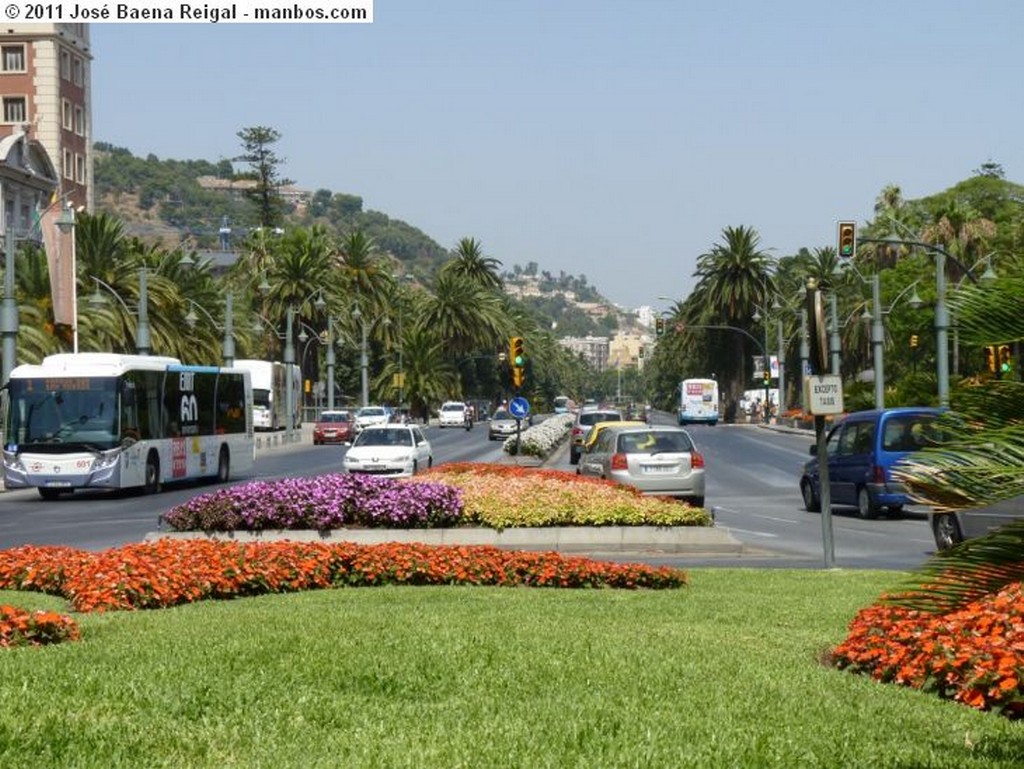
<point>947,531</point>
<point>811,502</point>
<point>151,484</point>
<point>866,507</point>
<point>224,465</point>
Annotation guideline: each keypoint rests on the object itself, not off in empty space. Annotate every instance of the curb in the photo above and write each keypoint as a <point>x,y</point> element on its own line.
<point>562,539</point>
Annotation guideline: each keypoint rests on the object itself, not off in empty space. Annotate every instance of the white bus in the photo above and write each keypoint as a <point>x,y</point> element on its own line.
<point>270,393</point>
<point>108,421</point>
<point>698,401</point>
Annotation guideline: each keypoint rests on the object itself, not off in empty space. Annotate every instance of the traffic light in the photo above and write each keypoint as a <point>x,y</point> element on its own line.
<point>990,357</point>
<point>767,376</point>
<point>1005,364</point>
<point>913,340</point>
<point>517,360</point>
<point>847,239</point>
<point>659,326</point>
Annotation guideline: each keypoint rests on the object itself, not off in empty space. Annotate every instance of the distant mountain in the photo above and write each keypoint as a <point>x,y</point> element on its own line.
<point>173,201</point>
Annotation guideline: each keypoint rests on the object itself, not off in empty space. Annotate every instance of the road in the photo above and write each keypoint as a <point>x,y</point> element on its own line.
<point>752,489</point>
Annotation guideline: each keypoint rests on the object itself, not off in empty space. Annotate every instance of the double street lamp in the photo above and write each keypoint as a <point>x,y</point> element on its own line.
<point>142,343</point>
<point>228,344</point>
<point>364,363</point>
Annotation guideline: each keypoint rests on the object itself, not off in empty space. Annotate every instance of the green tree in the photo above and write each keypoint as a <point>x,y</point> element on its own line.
<point>469,263</point>
<point>265,165</point>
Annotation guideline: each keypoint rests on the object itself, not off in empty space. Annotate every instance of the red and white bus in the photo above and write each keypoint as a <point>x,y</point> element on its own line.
<point>109,421</point>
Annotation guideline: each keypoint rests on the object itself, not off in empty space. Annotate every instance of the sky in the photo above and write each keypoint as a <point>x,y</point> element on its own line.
<point>603,138</point>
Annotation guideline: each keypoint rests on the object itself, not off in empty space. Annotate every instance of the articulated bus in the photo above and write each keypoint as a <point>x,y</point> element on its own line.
<point>109,421</point>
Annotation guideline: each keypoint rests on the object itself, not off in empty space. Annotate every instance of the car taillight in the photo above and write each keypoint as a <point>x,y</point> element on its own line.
<point>877,474</point>
<point>696,460</point>
<point>577,431</point>
<point>619,462</point>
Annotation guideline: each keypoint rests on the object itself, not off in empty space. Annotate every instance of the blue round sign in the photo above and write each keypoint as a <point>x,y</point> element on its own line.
<point>519,407</point>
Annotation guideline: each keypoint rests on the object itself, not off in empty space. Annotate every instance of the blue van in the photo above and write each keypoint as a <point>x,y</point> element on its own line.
<point>862,448</point>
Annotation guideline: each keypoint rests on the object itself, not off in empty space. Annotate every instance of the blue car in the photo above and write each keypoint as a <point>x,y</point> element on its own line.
<point>862,449</point>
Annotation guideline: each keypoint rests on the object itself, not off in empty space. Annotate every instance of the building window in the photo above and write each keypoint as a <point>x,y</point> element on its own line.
<point>76,69</point>
<point>66,115</point>
<point>79,169</point>
<point>15,110</point>
<point>80,121</point>
<point>65,65</point>
<point>12,58</point>
<point>69,165</point>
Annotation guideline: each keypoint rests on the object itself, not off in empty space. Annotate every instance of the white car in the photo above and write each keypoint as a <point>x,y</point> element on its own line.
<point>455,414</point>
<point>398,451</point>
<point>369,416</point>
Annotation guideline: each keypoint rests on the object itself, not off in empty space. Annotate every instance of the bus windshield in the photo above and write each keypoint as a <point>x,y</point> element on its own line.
<point>51,413</point>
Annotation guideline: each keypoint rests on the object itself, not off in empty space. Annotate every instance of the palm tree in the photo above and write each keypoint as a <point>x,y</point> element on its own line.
<point>470,263</point>
<point>734,278</point>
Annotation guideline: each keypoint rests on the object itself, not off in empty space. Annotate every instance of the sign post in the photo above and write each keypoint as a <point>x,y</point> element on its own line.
<point>520,409</point>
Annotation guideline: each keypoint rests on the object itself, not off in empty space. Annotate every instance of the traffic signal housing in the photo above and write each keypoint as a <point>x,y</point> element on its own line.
<point>517,360</point>
<point>767,376</point>
<point>913,340</point>
<point>659,326</point>
<point>847,239</point>
<point>1005,362</point>
<point>990,358</point>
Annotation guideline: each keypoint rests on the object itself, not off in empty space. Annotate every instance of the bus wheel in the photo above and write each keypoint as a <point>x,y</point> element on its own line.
<point>152,482</point>
<point>224,465</point>
<point>49,494</point>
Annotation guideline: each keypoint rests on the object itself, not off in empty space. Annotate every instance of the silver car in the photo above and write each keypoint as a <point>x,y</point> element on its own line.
<point>952,528</point>
<point>659,461</point>
<point>501,426</point>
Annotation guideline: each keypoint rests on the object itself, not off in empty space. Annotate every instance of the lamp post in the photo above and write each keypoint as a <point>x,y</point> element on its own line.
<point>9,316</point>
<point>364,362</point>
<point>228,344</point>
<point>66,225</point>
<point>142,344</point>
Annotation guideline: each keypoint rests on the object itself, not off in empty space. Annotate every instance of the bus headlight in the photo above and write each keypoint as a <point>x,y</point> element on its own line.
<point>105,459</point>
<point>13,461</point>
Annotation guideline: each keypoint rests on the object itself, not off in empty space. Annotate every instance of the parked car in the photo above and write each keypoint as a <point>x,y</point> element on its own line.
<point>394,450</point>
<point>862,449</point>
<point>455,414</point>
<point>502,425</point>
<point>368,416</point>
<point>581,428</point>
<point>334,427</point>
<point>952,528</point>
<point>660,461</point>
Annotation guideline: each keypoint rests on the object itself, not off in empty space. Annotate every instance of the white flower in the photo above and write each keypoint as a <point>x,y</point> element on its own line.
<point>543,438</point>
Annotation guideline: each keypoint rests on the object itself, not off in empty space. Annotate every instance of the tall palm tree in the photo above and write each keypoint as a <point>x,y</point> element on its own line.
<point>734,278</point>
<point>469,262</point>
<point>464,315</point>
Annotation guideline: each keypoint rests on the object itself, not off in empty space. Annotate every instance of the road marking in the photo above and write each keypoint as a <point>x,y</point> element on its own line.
<point>766,534</point>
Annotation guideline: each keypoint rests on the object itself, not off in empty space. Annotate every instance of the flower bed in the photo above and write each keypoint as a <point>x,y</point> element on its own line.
<point>973,654</point>
<point>457,494</point>
<point>171,572</point>
<point>542,438</point>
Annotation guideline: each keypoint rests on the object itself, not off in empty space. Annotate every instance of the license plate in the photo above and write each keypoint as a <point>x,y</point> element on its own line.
<point>58,484</point>
<point>374,467</point>
<point>656,469</point>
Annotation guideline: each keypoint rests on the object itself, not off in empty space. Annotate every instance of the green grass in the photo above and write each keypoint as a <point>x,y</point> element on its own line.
<point>724,673</point>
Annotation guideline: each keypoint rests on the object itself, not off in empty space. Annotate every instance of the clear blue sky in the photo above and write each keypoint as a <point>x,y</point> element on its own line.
<point>597,137</point>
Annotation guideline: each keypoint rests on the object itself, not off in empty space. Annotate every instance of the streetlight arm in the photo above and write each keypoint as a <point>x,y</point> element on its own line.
<point>128,310</point>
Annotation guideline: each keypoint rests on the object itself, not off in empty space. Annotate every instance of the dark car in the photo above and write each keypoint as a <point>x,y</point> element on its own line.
<point>862,449</point>
<point>334,427</point>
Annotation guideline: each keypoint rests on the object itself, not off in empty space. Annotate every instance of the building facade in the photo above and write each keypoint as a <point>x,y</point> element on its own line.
<point>45,96</point>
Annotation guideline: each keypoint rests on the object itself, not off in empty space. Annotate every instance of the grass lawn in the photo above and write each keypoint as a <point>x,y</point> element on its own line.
<point>723,673</point>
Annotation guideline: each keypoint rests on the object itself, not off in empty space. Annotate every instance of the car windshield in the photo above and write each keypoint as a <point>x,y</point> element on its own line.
<point>650,442</point>
<point>501,414</point>
<point>593,417</point>
<point>453,407</point>
<point>382,437</point>
<point>338,417</point>
<point>371,411</point>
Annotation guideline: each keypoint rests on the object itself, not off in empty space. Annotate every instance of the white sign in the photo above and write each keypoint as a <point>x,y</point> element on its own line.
<point>823,394</point>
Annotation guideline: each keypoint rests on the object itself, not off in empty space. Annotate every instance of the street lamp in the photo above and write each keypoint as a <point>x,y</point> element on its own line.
<point>875,316</point>
<point>66,225</point>
<point>364,363</point>
<point>228,345</point>
<point>142,343</point>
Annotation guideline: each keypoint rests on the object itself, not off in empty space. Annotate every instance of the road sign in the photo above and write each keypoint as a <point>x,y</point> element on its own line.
<point>823,394</point>
<point>519,408</point>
